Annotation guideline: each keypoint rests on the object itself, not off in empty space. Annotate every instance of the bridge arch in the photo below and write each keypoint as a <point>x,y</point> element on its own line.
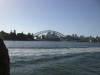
<point>46,31</point>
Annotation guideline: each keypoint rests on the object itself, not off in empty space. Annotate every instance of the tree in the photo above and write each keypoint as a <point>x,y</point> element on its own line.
<point>15,31</point>
<point>11,32</point>
<point>21,36</point>
<point>29,36</point>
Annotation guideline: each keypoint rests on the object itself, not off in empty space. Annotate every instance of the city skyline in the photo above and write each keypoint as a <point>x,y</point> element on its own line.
<point>81,17</point>
<point>49,35</point>
<point>45,32</point>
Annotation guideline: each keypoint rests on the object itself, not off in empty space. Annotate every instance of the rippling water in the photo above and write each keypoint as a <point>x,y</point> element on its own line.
<point>54,58</point>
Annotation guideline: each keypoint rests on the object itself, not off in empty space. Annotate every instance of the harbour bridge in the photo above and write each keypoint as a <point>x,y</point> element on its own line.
<point>60,35</point>
<point>51,31</point>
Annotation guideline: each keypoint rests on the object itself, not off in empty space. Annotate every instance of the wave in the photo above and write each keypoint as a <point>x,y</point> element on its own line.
<point>36,47</point>
<point>68,57</point>
<point>43,59</point>
<point>46,52</point>
<point>47,47</point>
<point>71,64</point>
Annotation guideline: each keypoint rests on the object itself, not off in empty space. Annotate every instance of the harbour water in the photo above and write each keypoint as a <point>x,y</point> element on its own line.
<point>54,58</point>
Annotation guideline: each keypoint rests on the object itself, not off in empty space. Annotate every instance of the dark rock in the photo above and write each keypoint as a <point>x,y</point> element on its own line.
<point>4,59</point>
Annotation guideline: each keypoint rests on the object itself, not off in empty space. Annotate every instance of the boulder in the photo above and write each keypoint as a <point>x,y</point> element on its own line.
<point>4,59</point>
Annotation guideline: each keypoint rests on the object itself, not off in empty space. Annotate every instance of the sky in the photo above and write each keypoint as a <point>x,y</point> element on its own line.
<point>81,17</point>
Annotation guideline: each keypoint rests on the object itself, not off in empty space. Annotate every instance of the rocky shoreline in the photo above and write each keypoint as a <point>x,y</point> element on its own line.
<point>4,59</point>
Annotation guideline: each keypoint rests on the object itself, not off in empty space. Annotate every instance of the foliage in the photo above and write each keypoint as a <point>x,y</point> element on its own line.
<point>13,36</point>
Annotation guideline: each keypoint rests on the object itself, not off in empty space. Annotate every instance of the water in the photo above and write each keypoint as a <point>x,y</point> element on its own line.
<point>54,58</point>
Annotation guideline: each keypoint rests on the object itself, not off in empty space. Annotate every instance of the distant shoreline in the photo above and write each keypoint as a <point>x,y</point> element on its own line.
<point>50,40</point>
<point>13,36</point>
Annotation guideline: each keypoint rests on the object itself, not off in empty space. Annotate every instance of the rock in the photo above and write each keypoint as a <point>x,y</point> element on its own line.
<point>4,59</point>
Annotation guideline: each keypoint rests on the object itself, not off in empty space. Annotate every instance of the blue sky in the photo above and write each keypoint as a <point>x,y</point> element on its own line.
<point>81,17</point>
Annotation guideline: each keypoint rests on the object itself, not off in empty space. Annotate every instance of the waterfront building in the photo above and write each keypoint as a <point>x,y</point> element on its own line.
<point>51,35</point>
